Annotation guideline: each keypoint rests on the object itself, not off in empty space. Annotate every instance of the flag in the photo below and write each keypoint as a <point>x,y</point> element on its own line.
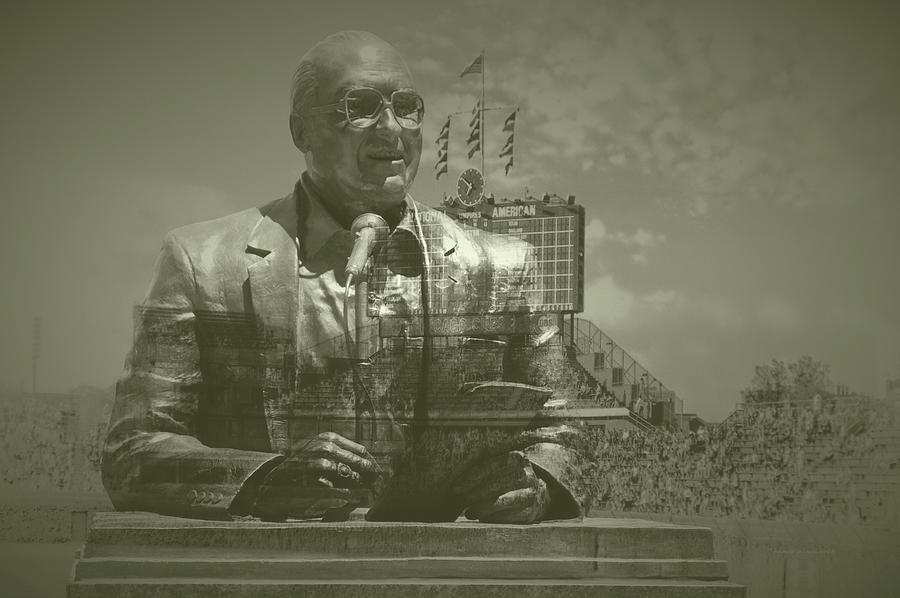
<point>442,141</point>
<point>445,132</point>
<point>510,123</point>
<point>474,149</point>
<point>475,135</point>
<point>476,67</point>
<point>475,124</point>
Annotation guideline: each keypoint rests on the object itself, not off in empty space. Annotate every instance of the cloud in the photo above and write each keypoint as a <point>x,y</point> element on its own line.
<point>641,240</point>
<point>776,312</point>
<point>594,232</point>
<point>426,64</point>
<point>608,304</point>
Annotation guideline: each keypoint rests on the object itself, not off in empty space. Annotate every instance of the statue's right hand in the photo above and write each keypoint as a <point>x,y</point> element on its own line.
<point>316,479</point>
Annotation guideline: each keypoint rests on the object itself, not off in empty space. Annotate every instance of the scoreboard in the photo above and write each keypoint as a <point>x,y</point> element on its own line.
<point>555,228</point>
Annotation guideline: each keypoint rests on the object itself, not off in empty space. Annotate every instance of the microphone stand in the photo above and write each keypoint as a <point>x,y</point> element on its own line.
<point>359,347</point>
<point>361,304</point>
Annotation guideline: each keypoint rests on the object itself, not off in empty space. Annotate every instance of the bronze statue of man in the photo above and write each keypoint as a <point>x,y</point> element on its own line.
<point>205,421</point>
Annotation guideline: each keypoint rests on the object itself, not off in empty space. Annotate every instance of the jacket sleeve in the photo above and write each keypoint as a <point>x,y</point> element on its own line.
<point>553,445</point>
<point>556,460</point>
<point>153,460</point>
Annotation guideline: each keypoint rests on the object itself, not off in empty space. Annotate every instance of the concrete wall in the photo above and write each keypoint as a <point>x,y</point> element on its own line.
<point>783,559</point>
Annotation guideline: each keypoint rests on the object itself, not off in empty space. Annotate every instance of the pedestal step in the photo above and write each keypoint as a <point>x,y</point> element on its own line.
<point>143,534</point>
<point>407,588</point>
<point>139,555</point>
<point>398,568</point>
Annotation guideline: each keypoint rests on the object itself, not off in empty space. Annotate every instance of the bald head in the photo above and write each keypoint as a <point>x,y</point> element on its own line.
<point>330,57</point>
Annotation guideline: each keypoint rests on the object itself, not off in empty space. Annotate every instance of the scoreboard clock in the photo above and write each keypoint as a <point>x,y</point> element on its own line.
<point>470,187</point>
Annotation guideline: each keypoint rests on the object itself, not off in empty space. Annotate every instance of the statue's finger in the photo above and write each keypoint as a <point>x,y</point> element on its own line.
<point>335,453</point>
<point>344,443</point>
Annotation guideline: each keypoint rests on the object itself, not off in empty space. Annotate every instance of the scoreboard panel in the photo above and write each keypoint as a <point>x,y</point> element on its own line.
<point>555,230</point>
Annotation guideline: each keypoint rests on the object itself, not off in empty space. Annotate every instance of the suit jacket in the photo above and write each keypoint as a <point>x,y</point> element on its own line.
<point>204,405</point>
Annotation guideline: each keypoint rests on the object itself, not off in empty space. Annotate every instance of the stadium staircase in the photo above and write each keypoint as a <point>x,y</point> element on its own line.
<point>587,340</point>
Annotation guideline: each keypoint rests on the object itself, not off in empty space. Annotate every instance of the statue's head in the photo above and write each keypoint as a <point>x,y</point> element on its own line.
<point>357,119</point>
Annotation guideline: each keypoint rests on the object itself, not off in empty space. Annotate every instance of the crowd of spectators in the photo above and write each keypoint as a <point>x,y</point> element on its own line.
<point>37,445</point>
<point>825,460</point>
<point>47,445</point>
<point>816,461</point>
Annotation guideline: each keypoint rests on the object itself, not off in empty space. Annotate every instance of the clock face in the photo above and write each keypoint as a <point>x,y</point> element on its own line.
<point>470,187</point>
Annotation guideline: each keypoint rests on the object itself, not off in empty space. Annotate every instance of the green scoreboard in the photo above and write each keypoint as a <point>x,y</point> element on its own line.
<point>554,227</point>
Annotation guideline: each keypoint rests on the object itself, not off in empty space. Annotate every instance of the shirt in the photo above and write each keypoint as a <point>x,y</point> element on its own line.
<point>322,255</point>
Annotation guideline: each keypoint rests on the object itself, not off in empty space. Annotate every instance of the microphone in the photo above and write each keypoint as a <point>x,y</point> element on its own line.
<point>370,230</point>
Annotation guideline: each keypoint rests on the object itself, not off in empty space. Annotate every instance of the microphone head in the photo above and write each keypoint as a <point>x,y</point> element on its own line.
<point>370,220</point>
<point>370,231</point>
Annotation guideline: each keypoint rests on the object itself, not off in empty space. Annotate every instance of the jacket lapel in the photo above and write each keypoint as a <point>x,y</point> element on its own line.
<point>273,292</point>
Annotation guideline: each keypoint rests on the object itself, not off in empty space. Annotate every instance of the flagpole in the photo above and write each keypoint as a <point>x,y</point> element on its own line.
<point>481,116</point>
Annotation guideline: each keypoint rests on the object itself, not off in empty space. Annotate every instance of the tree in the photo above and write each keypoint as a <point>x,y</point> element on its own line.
<point>770,383</point>
<point>809,377</point>
<point>798,381</point>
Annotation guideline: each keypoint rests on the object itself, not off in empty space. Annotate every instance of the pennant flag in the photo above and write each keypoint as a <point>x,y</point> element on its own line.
<point>475,124</point>
<point>474,134</point>
<point>509,126</point>
<point>510,123</point>
<point>445,132</point>
<point>476,67</point>
<point>474,149</point>
<point>442,141</point>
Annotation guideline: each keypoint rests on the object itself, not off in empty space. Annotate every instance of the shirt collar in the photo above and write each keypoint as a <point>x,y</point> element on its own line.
<point>319,226</point>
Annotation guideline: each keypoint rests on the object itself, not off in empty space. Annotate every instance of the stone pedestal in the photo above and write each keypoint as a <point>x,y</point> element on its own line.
<point>146,555</point>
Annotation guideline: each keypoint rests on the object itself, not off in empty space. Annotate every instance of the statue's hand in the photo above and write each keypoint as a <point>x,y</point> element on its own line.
<point>504,489</point>
<point>316,479</point>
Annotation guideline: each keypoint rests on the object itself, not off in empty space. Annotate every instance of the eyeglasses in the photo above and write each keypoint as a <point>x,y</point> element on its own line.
<point>362,107</point>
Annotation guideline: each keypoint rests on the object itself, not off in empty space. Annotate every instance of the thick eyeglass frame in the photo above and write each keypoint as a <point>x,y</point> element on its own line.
<point>341,107</point>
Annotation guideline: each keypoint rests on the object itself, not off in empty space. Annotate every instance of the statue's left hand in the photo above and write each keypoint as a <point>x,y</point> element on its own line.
<point>504,489</point>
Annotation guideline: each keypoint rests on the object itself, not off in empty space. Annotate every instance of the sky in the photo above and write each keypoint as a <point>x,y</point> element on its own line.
<point>738,163</point>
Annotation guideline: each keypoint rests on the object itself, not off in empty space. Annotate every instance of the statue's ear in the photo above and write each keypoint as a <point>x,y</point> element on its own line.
<point>299,133</point>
